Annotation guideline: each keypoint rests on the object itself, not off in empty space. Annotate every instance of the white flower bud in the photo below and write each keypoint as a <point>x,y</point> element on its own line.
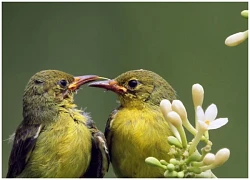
<point>178,107</point>
<point>198,95</point>
<point>174,119</point>
<point>209,159</point>
<point>180,174</point>
<point>244,13</point>
<point>221,156</point>
<point>173,161</point>
<point>236,38</point>
<point>164,162</point>
<point>170,167</point>
<point>153,161</point>
<point>174,141</point>
<point>165,106</point>
<point>170,174</point>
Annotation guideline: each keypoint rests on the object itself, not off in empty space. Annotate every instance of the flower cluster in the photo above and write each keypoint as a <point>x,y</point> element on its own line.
<point>187,161</point>
<point>239,37</point>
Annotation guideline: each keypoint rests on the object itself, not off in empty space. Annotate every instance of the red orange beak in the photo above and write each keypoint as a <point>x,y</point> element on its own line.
<point>111,85</point>
<point>81,80</point>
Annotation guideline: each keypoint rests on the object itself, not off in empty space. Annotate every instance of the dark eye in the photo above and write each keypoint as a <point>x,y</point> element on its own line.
<point>63,83</point>
<point>38,81</point>
<point>133,83</point>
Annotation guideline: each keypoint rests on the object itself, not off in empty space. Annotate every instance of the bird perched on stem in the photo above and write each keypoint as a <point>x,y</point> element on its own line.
<point>137,128</point>
<point>55,139</point>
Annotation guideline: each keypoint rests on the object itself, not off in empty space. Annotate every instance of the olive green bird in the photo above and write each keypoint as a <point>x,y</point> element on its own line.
<point>137,129</point>
<point>55,139</point>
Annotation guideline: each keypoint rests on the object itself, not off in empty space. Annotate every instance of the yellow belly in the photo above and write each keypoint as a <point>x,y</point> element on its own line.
<point>136,135</point>
<point>63,149</point>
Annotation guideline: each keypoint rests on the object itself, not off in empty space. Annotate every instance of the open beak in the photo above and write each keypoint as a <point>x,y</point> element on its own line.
<point>81,80</point>
<point>111,85</point>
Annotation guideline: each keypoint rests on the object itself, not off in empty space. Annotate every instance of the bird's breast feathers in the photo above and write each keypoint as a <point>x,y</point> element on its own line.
<point>136,135</point>
<point>63,147</point>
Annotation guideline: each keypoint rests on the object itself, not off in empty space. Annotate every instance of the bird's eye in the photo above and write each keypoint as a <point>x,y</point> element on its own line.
<point>133,83</point>
<point>63,83</point>
<point>38,81</point>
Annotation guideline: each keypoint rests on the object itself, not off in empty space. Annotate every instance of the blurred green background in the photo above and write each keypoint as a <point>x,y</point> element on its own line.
<point>183,42</point>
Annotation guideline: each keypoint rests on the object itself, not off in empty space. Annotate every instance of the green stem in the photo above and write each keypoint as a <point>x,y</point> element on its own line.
<point>206,134</point>
<point>196,119</point>
<point>183,136</point>
<point>195,142</point>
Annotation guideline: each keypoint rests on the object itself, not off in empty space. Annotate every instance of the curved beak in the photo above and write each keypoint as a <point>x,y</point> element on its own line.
<point>81,80</point>
<point>111,85</point>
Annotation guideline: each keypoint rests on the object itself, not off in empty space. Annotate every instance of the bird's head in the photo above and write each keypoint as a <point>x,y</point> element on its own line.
<point>138,86</point>
<point>49,88</point>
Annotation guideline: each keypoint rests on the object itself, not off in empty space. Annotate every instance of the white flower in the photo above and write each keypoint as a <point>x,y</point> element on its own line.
<point>165,106</point>
<point>209,159</point>
<point>221,156</point>
<point>236,38</point>
<point>208,118</point>
<point>174,118</point>
<point>198,95</point>
<point>244,13</point>
<point>178,107</point>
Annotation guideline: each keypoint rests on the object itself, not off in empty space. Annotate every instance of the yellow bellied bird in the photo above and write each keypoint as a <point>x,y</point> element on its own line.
<point>137,129</point>
<point>55,139</point>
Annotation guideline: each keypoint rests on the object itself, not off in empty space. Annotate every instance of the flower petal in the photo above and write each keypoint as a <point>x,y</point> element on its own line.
<point>211,112</point>
<point>202,126</point>
<point>217,123</point>
<point>200,113</point>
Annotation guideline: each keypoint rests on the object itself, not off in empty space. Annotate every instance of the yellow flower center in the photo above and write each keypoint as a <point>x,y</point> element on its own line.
<point>207,122</point>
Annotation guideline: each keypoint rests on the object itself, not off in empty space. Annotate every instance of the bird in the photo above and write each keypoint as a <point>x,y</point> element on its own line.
<point>136,129</point>
<point>55,139</point>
